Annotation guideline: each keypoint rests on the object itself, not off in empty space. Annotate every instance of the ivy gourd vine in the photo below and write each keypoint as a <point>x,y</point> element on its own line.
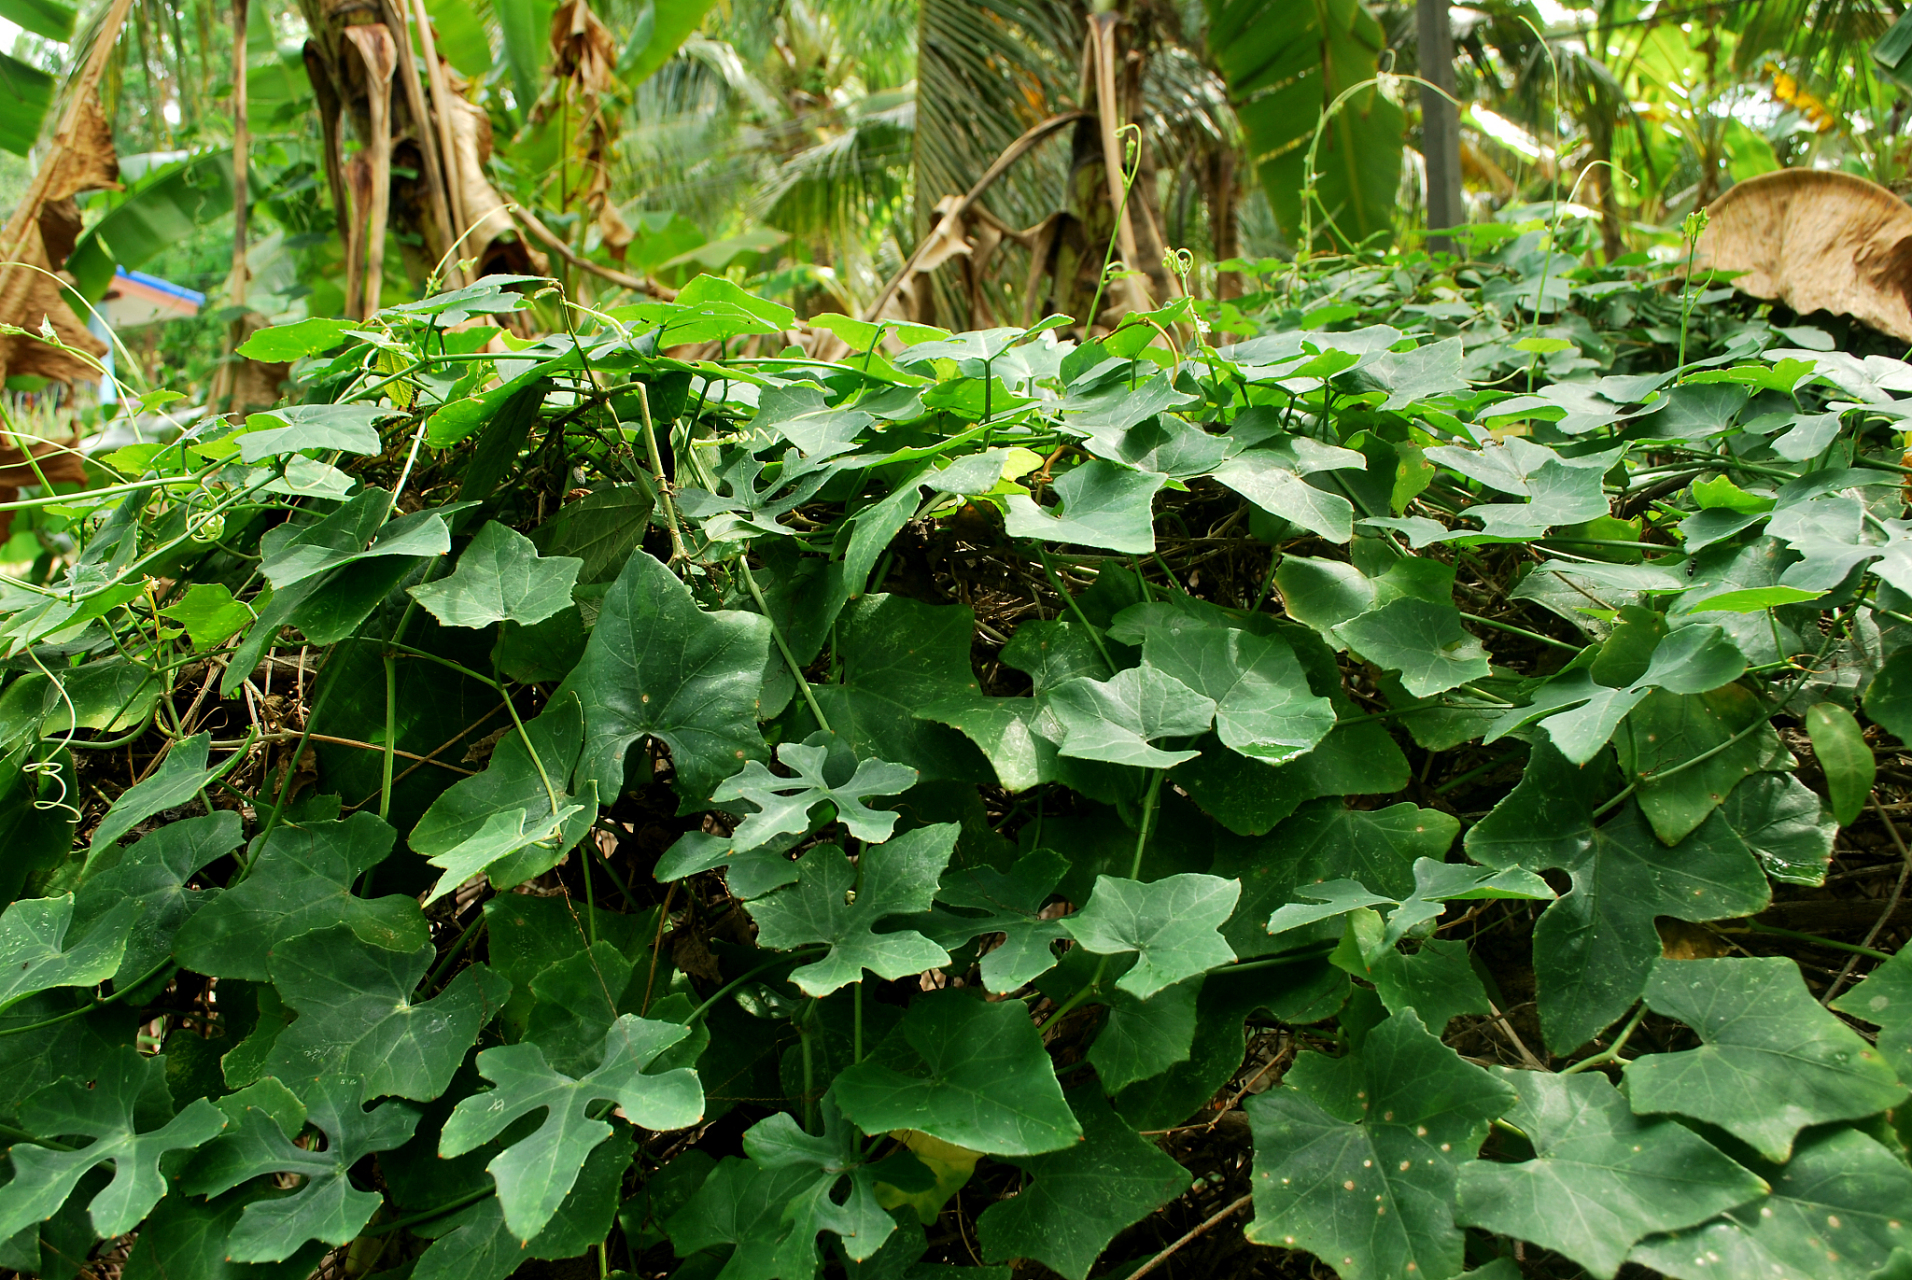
<point>1394,767</point>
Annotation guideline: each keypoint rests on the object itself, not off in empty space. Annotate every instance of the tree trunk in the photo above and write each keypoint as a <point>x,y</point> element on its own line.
<point>1440,125</point>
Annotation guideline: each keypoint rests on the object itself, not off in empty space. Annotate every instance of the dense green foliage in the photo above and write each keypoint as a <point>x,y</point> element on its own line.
<point>555,799</point>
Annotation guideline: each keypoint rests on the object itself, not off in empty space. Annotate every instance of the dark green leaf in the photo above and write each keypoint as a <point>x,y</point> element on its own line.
<point>1424,642</point>
<point>659,666</point>
<point>1782,821</point>
<point>1884,999</point>
<point>154,873</point>
<point>1081,1198</point>
<point>1326,840</point>
<point>1144,1038</point>
<point>970,1073</point>
<point>1356,1158</point>
<point>835,903</point>
<point>1836,1212</point>
<point>301,879</point>
<point>1774,1061</point>
<point>123,1106</point>
<point>326,1206</point>
<point>535,1172</point>
<point>601,529</point>
<point>1436,981</point>
<point>357,1016</point>
<point>898,655</point>
<point>1601,1177</point>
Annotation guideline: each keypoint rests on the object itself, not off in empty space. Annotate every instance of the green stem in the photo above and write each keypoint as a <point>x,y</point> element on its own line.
<point>1815,940</point>
<point>426,1215</point>
<point>391,735</point>
<point>1276,962</point>
<point>1055,581</point>
<point>1612,1051</point>
<point>678,551</point>
<point>734,983</point>
<point>438,970</point>
<point>1521,631</point>
<point>783,647</point>
<point>1148,818</point>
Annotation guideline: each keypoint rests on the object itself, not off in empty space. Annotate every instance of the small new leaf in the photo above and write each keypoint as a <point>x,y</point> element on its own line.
<point>828,905</point>
<point>1172,925</point>
<point>784,804</point>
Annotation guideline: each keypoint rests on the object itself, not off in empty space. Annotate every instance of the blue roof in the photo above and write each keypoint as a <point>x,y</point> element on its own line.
<point>164,286</point>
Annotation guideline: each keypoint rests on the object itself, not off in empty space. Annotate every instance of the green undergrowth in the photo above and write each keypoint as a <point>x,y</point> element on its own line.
<point>1392,772</point>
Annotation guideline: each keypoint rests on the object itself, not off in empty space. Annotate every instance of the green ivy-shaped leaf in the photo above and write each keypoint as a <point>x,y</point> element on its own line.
<point>357,1017</point>
<point>836,903</point>
<point>1010,904</point>
<point>1143,1038</point>
<point>180,776</point>
<point>1424,642</point>
<point>1435,884</point>
<point>36,956</point>
<point>356,532</point>
<point>1103,504</point>
<point>1580,714</point>
<point>500,578</point>
<point>1115,720</point>
<point>502,822</point>
<point>659,666</point>
<point>257,1144</point>
<point>1172,926</point>
<point>1838,1211</point>
<point>1774,1061</point>
<point>1263,705</point>
<point>784,804</point>
<point>119,1104</point>
<point>301,879</point>
<point>1595,947</point>
<point>535,1172</point>
<point>1325,840</point>
<point>1356,1158</point>
<point>900,655</point>
<point>1601,1178</point>
<point>152,874</point>
<point>808,1169</point>
<point>971,1073</point>
<point>1079,1199</point>
<point>1884,999</point>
